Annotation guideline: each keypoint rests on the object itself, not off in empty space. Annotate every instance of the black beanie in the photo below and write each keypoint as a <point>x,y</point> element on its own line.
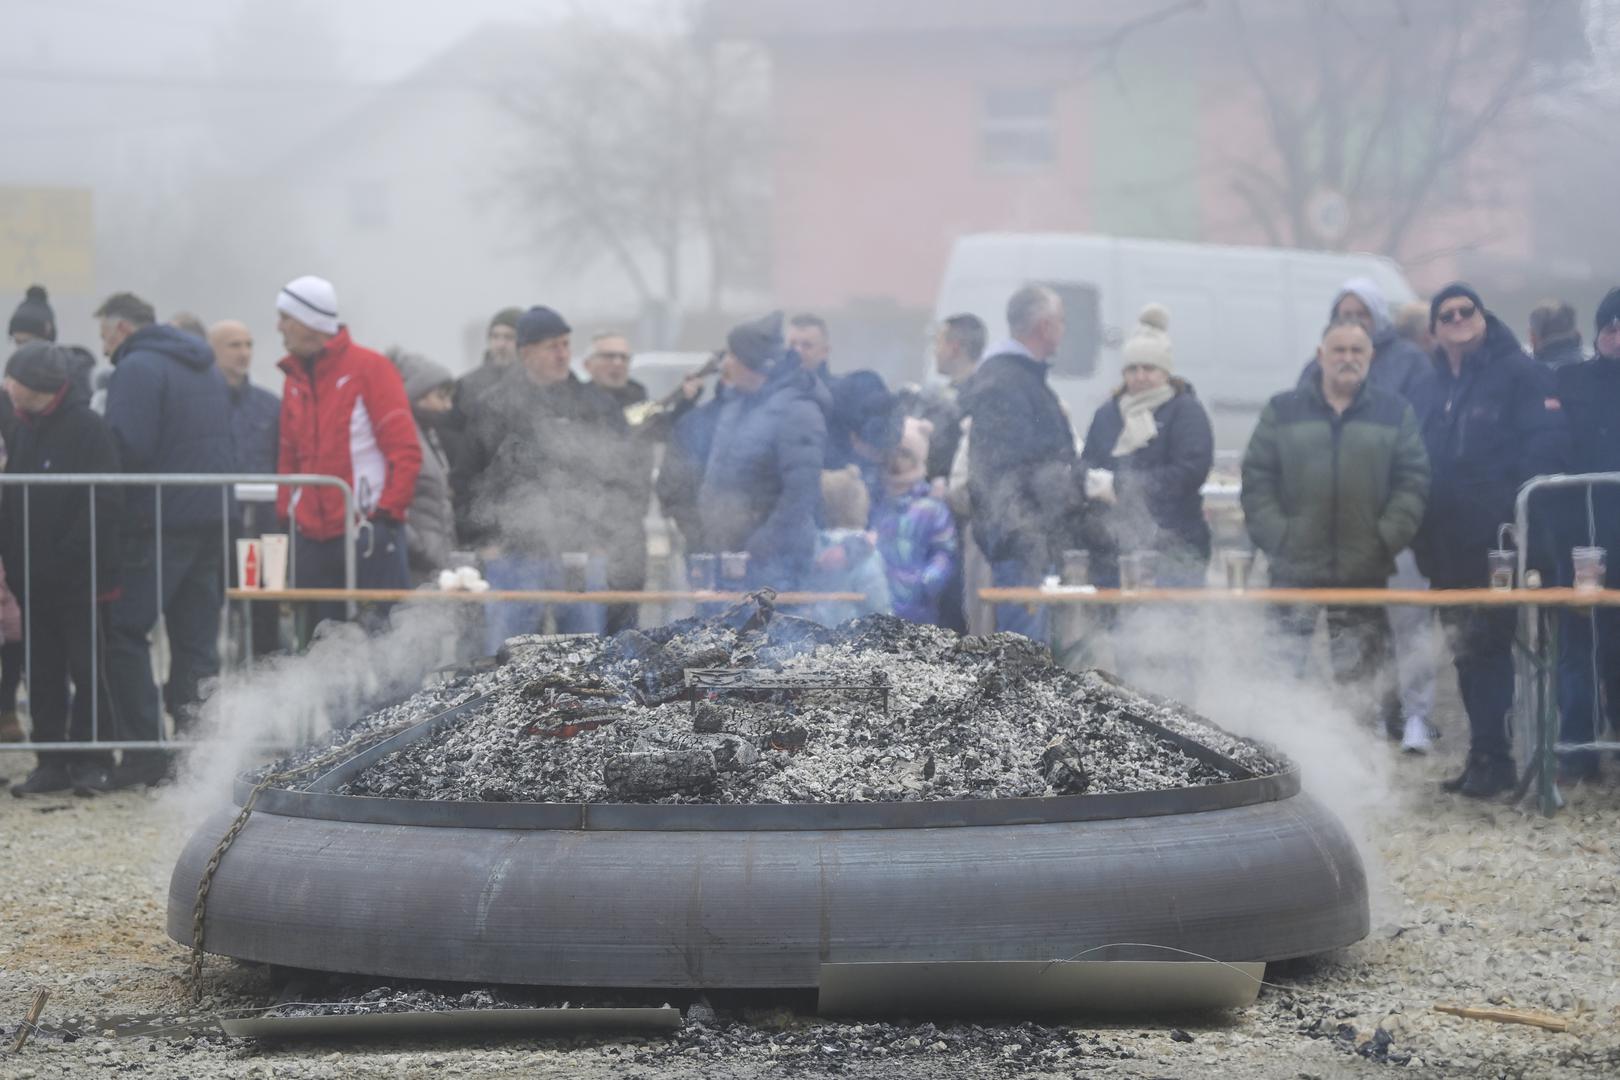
<point>1609,309</point>
<point>757,343</point>
<point>1451,292</point>
<point>41,366</point>
<point>864,405</point>
<point>34,315</point>
<point>540,323</point>
<point>507,316</point>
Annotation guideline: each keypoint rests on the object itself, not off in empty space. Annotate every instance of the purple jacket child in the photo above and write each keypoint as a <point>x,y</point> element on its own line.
<point>916,534</point>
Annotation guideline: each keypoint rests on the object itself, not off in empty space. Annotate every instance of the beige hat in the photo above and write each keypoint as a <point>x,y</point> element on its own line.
<point>1149,342</point>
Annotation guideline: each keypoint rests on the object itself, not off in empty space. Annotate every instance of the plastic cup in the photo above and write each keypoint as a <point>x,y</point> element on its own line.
<point>274,568</point>
<point>574,564</point>
<point>1238,563</point>
<point>1503,562</point>
<point>250,564</point>
<point>1076,567</point>
<point>1590,568</point>
<point>702,572</point>
<point>1136,571</point>
<point>734,566</point>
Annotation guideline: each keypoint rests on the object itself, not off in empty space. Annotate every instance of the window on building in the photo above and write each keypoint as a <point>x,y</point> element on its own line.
<point>1017,128</point>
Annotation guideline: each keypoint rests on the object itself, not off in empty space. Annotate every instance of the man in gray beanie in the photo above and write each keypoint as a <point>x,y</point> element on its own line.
<point>48,555</point>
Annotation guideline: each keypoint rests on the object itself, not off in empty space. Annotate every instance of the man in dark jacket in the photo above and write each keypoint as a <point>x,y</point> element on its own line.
<point>1334,483</point>
<point>500,353</point>
<point>1492,421</point>
<point>60,570</point>
<point>169,409</point>
<point>1021,456</point>
<point>608,365</point>
<point>1589,649</point>
<point>1402,366</point>
<point>680,475</point>
<point>1554,340</point>
<point>256,429</point>
<point>545,454</point>
<point>762,483</point>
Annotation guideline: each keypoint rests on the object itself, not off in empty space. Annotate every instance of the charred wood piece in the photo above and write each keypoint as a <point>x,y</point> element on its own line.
<point>652,774</point>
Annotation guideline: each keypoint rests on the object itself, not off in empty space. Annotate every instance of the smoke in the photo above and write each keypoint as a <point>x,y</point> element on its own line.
<point>292,700</point>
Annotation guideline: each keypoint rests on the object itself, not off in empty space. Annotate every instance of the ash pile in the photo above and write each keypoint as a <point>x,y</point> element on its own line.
<point>757,706</point>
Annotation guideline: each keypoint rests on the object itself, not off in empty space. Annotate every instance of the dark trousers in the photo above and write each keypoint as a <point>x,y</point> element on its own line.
<point>12,655</point>
<point>1481,642</point>
<point>380,562</point>
<point>61,631</point>
<point>1588,663</point>
<point>1361,655</point>
<point>192,593</point>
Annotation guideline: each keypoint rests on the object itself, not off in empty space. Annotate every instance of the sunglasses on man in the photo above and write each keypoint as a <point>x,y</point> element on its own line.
<point>1458,314</point>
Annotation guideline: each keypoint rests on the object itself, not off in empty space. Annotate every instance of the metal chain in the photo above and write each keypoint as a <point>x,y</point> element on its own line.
<point>200,907</point>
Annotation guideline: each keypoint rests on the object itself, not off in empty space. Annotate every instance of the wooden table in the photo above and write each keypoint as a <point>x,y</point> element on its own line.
<point>527,596</point>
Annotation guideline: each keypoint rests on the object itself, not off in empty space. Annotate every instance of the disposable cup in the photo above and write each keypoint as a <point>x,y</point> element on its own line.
<point>1076,567</point>
<point>702,572</point>
<point>1503,562</point>
<point>1136,571</point>
<point>1238,563</point>
<point>1589,568</point>
<point>273,570</point>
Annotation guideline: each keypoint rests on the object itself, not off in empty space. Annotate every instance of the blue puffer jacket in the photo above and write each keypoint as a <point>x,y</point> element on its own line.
<point>762,485</point>
<point>1488,430</point>
<point>169,408</point>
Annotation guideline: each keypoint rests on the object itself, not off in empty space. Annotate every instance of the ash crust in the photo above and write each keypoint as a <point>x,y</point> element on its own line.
<point>966,718</point>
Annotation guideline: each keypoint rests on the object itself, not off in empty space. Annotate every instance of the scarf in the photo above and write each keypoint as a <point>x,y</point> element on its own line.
<point>1137,412</point>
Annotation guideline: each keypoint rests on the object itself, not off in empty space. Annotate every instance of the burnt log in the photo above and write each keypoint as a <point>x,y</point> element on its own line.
<point>1065,773</point>
<point>652,774</point>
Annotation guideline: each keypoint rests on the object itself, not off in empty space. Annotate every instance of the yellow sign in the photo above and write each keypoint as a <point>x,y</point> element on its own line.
<point>47,238</point>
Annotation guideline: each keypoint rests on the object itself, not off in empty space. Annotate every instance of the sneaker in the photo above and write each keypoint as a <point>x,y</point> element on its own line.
<point>43,781</point>
<point>90,778</point>
<point>1416,737</point>
<point>10,727</point>
<point>1489,777</point>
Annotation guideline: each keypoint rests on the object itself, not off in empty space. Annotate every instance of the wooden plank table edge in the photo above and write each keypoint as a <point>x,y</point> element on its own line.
<point>532,596</point>
<point>1567,598</point>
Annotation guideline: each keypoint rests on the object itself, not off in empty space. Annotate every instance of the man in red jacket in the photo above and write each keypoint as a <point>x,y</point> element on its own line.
<point>344,413</point>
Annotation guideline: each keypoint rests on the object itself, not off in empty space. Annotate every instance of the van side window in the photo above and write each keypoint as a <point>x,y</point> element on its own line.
<point>1082,335</point>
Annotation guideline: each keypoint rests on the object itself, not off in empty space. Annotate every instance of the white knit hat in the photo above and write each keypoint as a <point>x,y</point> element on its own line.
<point>312,301</point>
<point>1149,342</point>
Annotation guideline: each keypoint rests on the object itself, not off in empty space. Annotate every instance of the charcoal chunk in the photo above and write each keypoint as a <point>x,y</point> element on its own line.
<point>1063,769</point>
<point>652,774</point>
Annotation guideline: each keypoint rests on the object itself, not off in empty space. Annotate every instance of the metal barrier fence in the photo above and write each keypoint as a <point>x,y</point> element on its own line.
<point>1537,710</point>
<point>227,483</point>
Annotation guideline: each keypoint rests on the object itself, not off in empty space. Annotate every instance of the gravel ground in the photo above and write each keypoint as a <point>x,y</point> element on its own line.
<point>1481,903</point>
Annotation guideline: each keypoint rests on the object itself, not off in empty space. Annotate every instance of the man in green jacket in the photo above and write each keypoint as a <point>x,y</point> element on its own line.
<point>1334,483</point>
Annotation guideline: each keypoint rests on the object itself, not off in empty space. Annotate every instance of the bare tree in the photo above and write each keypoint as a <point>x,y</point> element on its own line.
<point>1374,111</point>
<point>649,150</point>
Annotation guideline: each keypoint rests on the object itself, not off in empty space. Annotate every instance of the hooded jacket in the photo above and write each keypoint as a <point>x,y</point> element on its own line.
<point>1021,461</point>
<point>761,488</point>
<point>1332,498</point>
<point>548,465</point>
<point>169,408</point>
<point>66,438</point>
<point>1398,365</point>
<point>430,527</point>
<point>1159,502</point>
<point>1488,429</point>
<point>345,414</point>
<point>1561,353</point>
<point>680,474</point>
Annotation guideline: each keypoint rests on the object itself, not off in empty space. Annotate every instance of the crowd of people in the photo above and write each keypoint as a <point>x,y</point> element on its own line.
<point>1393,459</point>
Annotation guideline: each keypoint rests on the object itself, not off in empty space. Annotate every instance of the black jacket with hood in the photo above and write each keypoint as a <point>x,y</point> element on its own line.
<point>169,408</point>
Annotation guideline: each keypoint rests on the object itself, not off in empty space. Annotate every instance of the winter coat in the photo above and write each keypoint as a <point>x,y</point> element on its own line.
<point>471,389</point>
<point>11,619</point>
<point>1332,498</point>
<point>67,438</point>
<point>917,538</point>
<point>168,407</point>
<point>345,414</point>
<point>761,488</point>
<point>549,466</point>
<point>256,427</point>
<point>1590,394</point>
<point>1398,365</point>
<point>430,527</point>
<point>680,474</point>
<point>1021,460</point>
<point>1561,353</point>
<point>861,571</point>
<point>627,513</point>
<point>1159,502</point>
<point>1487,430</point>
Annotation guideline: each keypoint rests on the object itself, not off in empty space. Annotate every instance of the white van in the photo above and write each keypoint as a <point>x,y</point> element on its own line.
<point>1243,319</point>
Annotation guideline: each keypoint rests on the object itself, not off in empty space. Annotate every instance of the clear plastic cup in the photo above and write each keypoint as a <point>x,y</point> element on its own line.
<point>1136,571</point>
<point>1503,562</point>
<point>1238,563</point>
<point>1076,567</point>
<point>575,565</point>
<point>702,572</point>
<point>1590,568</point>
<point>734,567</point>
